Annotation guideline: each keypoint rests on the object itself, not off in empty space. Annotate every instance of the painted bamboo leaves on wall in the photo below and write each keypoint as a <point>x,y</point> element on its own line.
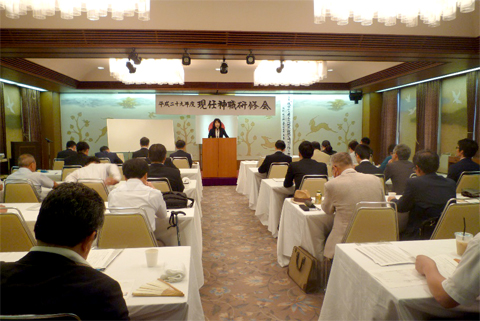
<point>128,103</point>
<point>244,136</point>
<point>345,127</point>
<point>184,130</point>
<point>78,129</point>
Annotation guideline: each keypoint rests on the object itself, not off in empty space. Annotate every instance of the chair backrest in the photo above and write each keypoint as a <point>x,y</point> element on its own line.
<point>67,169</point>
<point>451,220</point>
<point>104,160</point>
<point>382,181</point>
<point>373,222</point>
<point>96,184</point>
<point>181,162</point>
<point>413,175</point>
<point>121,156</point>
<point>120,169</point>
<point>313,183</point>
<point>58,164</point>
<point>44,317</point>
<point>468,180</point>
<point>126,228</point>
<point>160,183</point>
<point>277,170</point>
<point>14,169</point>
<point>15,236</point>
<point>260,161</point>
<point>20,191</point>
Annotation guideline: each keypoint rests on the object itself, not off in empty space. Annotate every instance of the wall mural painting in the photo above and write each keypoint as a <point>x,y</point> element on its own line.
<point>76,130</point>
<point>345,128</point>
<point>185,131</point>
<point>244,135</point>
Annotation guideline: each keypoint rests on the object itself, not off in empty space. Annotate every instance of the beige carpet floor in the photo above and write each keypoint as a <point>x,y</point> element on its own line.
<point>243,280</point>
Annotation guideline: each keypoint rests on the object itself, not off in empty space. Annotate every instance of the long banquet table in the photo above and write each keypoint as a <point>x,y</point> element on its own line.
<point>300,228</point>
<point>253,186</point>
<point>189,225</point>
<point>354,293</point>
<point>270,202</point>
<point>131,271</point>
<point>242,176</point>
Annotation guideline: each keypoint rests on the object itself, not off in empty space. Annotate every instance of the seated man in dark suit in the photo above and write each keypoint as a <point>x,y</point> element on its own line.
<point>425,196</point>
<point>143,151</point>
<point>399,168</point>
<point>105,153</point>
<point>362,153</point>
<point>54,277</point>
<point>466,149</point>
<point>81,157</point>
<point>157,155</point>
<point>305,166</point>
<point>180,145</point>
<point>70,151</point>
<point>278,156</point>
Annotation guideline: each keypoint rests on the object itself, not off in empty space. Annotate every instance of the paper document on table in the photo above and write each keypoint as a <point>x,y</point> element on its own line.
<point>399,277</point>
<point>35,207</point>
<point>446,264</point>
<point>278,179</point>
<point>386,254</point>
<point>101,259</point>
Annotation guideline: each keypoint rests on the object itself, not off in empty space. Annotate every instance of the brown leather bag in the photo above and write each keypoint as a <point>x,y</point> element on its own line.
<point>304,270</point>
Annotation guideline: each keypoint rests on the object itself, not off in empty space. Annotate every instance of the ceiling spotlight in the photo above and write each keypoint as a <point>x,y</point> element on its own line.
<point>131,68</point>
<point>134,57</point>
<point>223,67</point>
<point>186,60</point>
<point>279,69</point>
<point>250,59</point>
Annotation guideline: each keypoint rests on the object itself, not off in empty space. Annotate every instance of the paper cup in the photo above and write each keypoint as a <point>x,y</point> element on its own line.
<point>462,241</point>
<point>152,257</point>
<point>392,194</point>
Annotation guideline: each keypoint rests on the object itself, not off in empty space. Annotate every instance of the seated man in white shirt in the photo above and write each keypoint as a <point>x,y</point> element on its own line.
<point>138,192</point>
<point>463,286</point>
<point>27,170</point>
<point>109,173</point>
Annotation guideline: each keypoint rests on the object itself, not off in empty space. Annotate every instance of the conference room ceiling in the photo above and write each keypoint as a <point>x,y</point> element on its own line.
<point>64,55</point>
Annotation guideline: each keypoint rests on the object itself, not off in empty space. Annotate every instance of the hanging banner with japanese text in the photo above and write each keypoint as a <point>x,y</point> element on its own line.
<point>215,105</point>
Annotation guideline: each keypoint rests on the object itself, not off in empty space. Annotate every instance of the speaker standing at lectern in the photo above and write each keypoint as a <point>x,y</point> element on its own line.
<point>218,130</point>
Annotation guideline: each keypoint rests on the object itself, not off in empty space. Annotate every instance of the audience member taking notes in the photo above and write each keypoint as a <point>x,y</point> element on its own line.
<point>362,154</point>
<point>278,156</point>
<point>54,277</point>
<point>109,173</point>
<point>305,166</point>
<point>342,195</point>
<point>181,151</point>
<point>399,168</point>
<point>466,149</point>
<point>27,170</point>
<point>461,288</point>
<point>157,155</point>
<point>80,157</point>
<point>105,153</point>
<point>138,192</point>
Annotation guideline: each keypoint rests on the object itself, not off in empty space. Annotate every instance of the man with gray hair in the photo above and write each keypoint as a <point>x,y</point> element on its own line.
<point>342,195</point>
<point>27,170</point>
<point>399,168</point>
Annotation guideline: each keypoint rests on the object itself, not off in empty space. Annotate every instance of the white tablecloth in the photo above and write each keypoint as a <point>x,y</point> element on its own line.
<point>194,174</point>
<point>190,232</point>
<point>131,271</point>
<point>299,228</point>
<point>253,186</point>
<point>354,294</point>
<point>242,176</point>
<point>53,175</point>
<point>270,202</point>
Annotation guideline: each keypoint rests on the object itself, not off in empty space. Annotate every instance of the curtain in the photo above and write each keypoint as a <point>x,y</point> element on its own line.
<point>31,123</point>
<point>428,107</point>
<point>388,127</point>
<point>473,105</point>
<point>3,125</point>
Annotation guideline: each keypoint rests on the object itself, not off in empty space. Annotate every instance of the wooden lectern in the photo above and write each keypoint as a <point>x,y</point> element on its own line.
<point>219,157</point>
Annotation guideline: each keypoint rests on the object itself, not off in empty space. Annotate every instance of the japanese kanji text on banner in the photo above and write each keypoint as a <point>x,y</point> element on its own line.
<point>215,105</point>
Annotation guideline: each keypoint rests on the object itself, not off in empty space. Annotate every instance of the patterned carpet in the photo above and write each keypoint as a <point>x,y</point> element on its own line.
<point>243,280</point>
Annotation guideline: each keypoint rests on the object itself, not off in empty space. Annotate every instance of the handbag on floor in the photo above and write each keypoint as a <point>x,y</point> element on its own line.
<point>303,269</point>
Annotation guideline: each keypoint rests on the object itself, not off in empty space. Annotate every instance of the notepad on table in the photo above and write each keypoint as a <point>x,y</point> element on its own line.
<point>386,254</point>
<point>101,259</point>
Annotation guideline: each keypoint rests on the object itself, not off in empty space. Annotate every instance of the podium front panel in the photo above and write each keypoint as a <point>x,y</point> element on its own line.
<point>210,157</point>
<point>227,157</point>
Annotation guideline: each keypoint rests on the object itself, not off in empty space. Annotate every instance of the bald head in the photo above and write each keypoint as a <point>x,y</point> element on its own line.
<point>25,160</point>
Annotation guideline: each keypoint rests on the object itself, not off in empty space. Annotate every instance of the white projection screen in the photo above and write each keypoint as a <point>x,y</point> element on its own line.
<point>124,134</point>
